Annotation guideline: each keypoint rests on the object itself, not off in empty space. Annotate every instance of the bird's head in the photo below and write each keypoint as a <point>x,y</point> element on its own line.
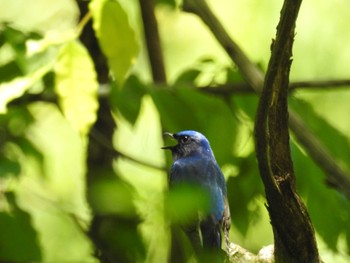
<point>190,143</point>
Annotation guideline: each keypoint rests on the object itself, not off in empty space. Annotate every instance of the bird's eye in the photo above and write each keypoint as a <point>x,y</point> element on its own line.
<point>185,139</point>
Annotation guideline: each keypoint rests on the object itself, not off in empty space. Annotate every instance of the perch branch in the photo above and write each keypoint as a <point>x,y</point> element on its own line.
<point>294,235</point>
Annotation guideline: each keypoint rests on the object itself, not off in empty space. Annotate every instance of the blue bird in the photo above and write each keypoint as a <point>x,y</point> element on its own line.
<point>194,163</point>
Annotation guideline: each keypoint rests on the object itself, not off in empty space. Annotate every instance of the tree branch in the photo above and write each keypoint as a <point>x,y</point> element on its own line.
<point>254,78</point>
<point>153,41</point>
<point>244,88</point>
<point>251,73</point>
<point>293,231</point>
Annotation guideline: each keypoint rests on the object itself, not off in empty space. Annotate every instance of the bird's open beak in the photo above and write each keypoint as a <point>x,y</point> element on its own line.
<point>172,136</point>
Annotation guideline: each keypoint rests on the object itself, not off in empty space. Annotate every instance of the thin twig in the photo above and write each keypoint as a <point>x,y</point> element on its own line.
<point>103,142</point>
<point>245,88</point>
<point>155,53</point>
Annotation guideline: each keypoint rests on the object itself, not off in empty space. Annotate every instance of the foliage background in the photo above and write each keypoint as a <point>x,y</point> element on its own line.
<point>51,192</point>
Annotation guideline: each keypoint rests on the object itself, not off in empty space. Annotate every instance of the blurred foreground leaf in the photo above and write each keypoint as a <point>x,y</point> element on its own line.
<point>76,86</point>
<point>18,238</point>
<point>115,35</point>
<point>184,202</point>
<point>128,99</point>
<point>18,86</point>
<point>9,167</point>
<point>112,196</point>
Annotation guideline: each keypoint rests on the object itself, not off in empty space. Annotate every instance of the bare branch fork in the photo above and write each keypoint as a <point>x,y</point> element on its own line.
<point>338,178</point>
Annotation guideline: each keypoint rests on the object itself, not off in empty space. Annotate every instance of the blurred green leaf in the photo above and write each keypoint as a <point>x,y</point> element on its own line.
<point>242,190</point>
<point>175,113</point>
<point>76,86</point>
<point>9,71</point>
<point>9,167</point>
<point>115,35</point>
<point>128,99</point>
<point>337,143</point>
<point>119,238</point>
<point>15,122</point>
<point>183,202</point>
<point>187,77</point>
<point>328,210</point>
<point>18,86</point>
<point>112,196</point>
<point>233,75</point>
<point>171,3</point>
<point>15,37</point>
<point>248,104</point>
<point>18,239</point>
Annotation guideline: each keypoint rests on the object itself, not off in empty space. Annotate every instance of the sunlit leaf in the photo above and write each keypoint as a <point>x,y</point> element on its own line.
<point>57,200</point>
<point>76,86</point>
<point>142,141</point>
<point>18,86</point>
<point>115,35</point>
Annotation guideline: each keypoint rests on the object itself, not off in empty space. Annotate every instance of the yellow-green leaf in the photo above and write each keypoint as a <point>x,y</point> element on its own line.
<point>115,35</point>
<point>76,86</point>
<point>18,86</point>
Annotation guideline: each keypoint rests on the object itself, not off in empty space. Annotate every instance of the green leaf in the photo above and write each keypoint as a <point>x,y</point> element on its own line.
<point>188,76</point>
<point>18,86</point>
<point>336,142</point>
<point>311,179</point>
<point>10,71</point>
<point>242,191</point>
<point>9,167</point>
<point>175,114</point>
<point>328,210</point>
<point>128,99</point>
<point>76,86</point>
<point>112,196</point>
<point>183,202</point>
<point>18,239</point>
<point>115,35</point>
<point>171,3</point>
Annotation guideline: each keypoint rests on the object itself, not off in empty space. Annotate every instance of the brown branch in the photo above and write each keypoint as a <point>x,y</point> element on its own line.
<point>337,176</point>
<point>251,73</point>
<point>245,88</point>
<point>103,142</point>
<point>255,77</point>
<point>294,235</point>
<point>153,41</point>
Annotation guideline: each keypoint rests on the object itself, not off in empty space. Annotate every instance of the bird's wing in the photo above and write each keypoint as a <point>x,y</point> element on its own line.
<point>226,219</point>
